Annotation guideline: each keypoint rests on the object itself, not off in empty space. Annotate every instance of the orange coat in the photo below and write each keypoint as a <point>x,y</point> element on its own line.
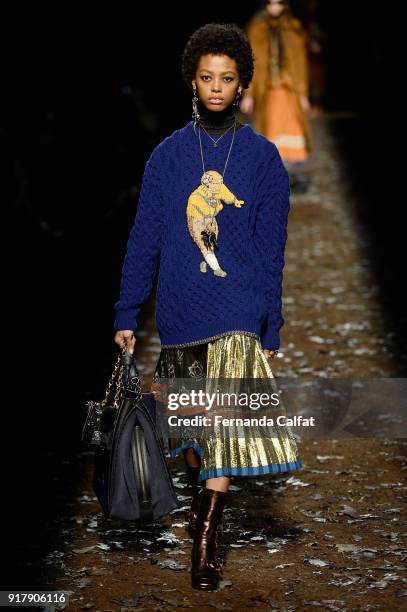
<point>294,73</point>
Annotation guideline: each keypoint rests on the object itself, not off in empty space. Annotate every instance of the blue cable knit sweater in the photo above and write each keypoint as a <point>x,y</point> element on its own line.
<point>204,292</point>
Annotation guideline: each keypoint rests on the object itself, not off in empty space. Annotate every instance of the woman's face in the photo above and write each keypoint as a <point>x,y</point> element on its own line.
<point>217,81</point>
<point>275,7</point>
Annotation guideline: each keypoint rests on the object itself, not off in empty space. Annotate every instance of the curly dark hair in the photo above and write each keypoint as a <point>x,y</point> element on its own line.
<point>219,39</point>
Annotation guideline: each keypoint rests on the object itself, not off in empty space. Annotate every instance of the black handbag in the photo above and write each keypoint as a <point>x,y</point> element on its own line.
<point>131,478</point>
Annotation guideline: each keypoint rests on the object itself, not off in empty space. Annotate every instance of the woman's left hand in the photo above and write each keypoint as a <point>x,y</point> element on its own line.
<point>269,353</point>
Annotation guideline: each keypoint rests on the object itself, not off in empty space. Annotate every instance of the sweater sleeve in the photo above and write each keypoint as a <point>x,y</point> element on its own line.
<point>270,238</point>
<point>143,247</point>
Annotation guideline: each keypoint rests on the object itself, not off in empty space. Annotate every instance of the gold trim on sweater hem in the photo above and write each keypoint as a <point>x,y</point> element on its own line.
<point>205,340</point>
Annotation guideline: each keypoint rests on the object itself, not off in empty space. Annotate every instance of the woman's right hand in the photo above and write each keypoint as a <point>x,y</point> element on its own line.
<point>125,337</point>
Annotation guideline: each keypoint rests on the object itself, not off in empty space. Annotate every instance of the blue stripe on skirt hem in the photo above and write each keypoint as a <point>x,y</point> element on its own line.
<point>251,471</point>
<point>272,468</point>
<point>176,451</point>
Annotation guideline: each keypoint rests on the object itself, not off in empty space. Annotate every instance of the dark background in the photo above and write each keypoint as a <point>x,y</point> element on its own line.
<point>85,98</point>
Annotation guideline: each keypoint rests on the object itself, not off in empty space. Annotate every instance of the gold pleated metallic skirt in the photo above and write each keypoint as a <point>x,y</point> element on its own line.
<point>237,356</point>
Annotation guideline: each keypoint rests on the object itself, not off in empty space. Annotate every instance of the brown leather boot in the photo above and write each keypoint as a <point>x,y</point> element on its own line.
<point>205,570</point>
<point>192,513</point>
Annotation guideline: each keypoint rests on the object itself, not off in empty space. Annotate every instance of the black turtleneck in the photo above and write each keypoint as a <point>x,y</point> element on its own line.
<point>216,122</point>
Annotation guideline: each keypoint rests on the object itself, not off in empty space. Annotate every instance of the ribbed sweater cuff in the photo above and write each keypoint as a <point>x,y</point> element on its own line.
<point>125,320</point>
<point>270,339</point>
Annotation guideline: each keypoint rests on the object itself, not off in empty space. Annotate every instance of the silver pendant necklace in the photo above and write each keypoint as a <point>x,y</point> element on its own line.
<point>215,142</point>
<point>207,179</point>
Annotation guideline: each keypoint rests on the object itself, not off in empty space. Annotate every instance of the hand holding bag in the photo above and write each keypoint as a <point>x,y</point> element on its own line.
<point>131,478</point>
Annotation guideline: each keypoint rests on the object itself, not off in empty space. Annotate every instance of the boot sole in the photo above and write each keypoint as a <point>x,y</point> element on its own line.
<point>204,586</point>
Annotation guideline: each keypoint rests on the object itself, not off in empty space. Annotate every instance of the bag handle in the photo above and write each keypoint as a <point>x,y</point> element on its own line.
<point>116,379</point>
<point>131,383</point>
<point>125,378</point>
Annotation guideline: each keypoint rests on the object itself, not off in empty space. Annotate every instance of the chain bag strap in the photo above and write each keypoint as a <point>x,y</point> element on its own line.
<point>100,416</point>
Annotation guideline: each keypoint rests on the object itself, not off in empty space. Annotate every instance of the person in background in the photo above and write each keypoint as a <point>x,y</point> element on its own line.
<point>278,94</point>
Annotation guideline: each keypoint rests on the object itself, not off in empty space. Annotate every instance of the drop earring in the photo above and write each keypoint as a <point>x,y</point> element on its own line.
<point>195,113</point>
<point>237,99</point>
